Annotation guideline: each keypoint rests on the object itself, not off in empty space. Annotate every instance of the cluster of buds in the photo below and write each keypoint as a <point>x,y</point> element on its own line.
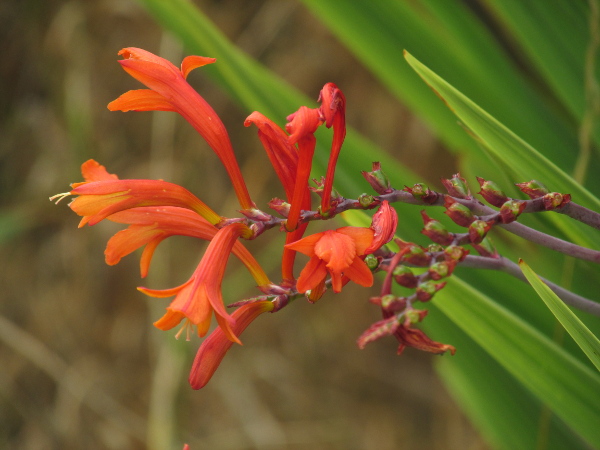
<point>154,210</point>
<point>438,261</point>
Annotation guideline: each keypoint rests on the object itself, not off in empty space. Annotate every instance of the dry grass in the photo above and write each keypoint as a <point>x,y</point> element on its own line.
<point>82,366</point>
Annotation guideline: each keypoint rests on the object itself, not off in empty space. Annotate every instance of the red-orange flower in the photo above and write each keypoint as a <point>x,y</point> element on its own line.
<point>196,299</point>
<point>213,348</point>
<point>301,126</point>
<point>333,109</point>
<point>169,91</point>
<point>149,226</point>
<point>284,158</point>
<point>103,194</point>
<point>337,252</point>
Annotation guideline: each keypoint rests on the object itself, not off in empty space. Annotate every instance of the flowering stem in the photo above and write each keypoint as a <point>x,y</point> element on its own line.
<point>475,206</point>
<point>581,214</point>
<point>507,266</point>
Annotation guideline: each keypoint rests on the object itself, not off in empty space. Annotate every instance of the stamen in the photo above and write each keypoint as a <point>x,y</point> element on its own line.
<point>187,325</point>
<point>59,196</point>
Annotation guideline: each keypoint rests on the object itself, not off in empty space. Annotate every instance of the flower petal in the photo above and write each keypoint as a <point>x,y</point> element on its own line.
<point>94,171</point>
<point>141,100</point>
<point>190,63</point>
<point>306,245</point>
<point>360,273</point>
<point>170,320</point>
<point>361,236</point>
<point>336,249</point>
<point>313,273</point>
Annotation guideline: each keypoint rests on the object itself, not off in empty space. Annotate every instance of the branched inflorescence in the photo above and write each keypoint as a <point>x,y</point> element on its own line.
<point>156,209</point>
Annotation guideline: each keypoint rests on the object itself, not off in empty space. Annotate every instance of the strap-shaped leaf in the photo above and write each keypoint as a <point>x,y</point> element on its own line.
<point>517,155</point>
<point>588,342</point>
<point>569,388</point>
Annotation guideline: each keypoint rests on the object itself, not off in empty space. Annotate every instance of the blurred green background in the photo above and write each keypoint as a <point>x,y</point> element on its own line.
<point>82,365</point>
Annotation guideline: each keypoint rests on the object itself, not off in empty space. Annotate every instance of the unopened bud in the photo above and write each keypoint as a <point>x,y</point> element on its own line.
<point>256,214</point>
<point>282,208</point>
<point>383,224</point>
<point>378,179</point>
<point>455,253</point>
<point>457,186</point>
<point>555,200</point>
<point>434,248</point>
<point>372,262</point>
<point>441,269</point>
<point>511,210</point>
<point>491,192</point>
<point>460,214</point>
<point>486,248</point>
<point>425,291</point>
<point>533,188</point>
<point>421,191</point>
<point>387,300</point>
<point>365,200</point>
<point>436,231</point>
<point>477,231</point>
<point>413,253</point>
<point>405,277</point>
<point>415,315</point>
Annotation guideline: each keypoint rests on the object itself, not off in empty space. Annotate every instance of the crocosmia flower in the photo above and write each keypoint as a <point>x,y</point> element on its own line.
<point>169,91</point>
<point>149,226</point>
<point>213,348</point>
<point>337,253</point>
<point>197,298</point>
<point>103,194</point>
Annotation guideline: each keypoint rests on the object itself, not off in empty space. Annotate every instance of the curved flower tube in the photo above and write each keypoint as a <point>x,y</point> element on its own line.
<point>333,109</point>
<point>215,347</point>
<point>103,194</point>
<point>284,158</point>
<point>169,91</point>
<point>301,127</point>
<point>149,226</point>
<point>197,298</point>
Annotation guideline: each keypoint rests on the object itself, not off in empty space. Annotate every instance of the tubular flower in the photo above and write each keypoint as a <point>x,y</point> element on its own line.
<point>169,91</point>
<point>284,158</point>
<point>301,127</point>
<point>333,109</point>
<point>213,348</point>
<point>196,299</point>
<point>103,194</point>
<point>337,252</point>
<point>282,155</point>
<point>149,226</point>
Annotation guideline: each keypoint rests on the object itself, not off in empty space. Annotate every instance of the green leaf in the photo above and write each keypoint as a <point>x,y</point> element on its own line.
<point>517,155</point>
<point>588,342</point>
<point>568,387</point>
<point>509,416</point>
<point>451,38</point>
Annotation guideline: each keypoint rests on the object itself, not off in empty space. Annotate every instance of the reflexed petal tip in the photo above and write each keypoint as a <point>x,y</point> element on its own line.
<point>190,63</point>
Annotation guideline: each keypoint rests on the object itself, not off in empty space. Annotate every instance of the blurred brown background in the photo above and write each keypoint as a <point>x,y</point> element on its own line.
<point>81,365</point>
